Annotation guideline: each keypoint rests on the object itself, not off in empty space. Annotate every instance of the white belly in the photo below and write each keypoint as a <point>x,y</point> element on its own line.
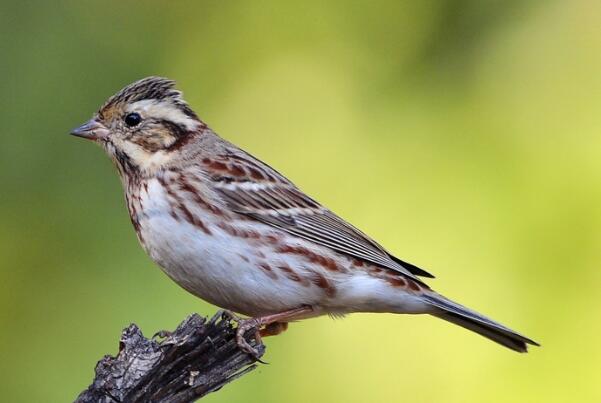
<point>216,266</point>
<point>245,274</point>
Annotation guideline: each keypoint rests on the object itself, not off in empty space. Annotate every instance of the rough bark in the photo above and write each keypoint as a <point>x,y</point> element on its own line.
<point>199,357</point>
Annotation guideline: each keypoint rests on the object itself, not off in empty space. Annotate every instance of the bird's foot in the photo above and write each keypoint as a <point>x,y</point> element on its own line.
<point>244,326</point>
<point>274,324</point>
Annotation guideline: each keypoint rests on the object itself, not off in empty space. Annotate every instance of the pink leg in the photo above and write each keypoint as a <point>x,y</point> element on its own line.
<point>244,325</point>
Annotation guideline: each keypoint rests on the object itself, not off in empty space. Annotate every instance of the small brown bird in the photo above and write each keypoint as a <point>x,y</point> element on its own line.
<point>233,231</point>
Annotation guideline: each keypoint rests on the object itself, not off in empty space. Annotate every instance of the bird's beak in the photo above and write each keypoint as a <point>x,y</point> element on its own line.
<point>91,130</point>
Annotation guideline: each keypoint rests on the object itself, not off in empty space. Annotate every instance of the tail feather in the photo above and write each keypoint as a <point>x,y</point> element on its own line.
<point>464,317</point>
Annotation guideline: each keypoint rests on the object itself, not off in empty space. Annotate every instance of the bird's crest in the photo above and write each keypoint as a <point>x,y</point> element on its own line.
<point>149,88</point>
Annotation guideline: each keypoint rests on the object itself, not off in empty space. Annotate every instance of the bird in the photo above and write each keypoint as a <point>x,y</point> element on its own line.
<point>233,231</point>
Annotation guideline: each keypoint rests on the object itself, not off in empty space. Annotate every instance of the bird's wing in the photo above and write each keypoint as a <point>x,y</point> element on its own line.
<point>252,188</point>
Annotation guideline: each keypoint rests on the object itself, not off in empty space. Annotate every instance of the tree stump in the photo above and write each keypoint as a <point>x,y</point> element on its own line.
<point>199,357</point>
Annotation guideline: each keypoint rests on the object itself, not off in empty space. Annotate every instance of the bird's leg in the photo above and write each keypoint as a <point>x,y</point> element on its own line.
<point>274,324</point>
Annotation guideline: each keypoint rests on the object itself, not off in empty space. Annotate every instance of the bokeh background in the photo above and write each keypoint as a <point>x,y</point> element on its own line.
<point>464,135</point>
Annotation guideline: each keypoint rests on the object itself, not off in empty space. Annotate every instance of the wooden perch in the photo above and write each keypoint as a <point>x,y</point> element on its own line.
<point>199,357</point>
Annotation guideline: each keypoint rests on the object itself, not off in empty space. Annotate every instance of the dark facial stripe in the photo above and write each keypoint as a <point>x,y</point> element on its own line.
<point>176,130</point>
<point>185,139</point>
<point>124,162</point>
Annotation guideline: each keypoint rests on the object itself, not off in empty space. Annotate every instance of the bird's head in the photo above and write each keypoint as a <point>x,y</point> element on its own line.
<point>141,125</point>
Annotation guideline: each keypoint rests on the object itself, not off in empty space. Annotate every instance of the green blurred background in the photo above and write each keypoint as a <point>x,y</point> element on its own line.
<point>464,135</point>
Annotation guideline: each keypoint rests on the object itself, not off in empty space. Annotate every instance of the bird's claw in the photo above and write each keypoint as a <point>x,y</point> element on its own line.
<point>244,326</point>
<point>246,347</point>
<point>162,334</point>
<point>230,316</point>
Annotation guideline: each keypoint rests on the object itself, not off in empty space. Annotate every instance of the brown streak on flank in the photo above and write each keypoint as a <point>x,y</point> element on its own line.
<point>249,233</point>
<point>265,267</point>
<point>133,213</point>
<point>260,254</point>
<point>396,281</point>
<point>313,257</point>
<point>239,232</point>
<point>246,259</point>
<point>330,264</point>
<point>228,228</point>
<point>414,286</point>
<point>375,270</point>
<point>188,216</point>
<point>358,263</point>
<point>185,185</point>
<point>253,234</point>
<point>290,274</point>
<point>322,282</point>
<point>168,190</point>
<point>268,270</point>
<point>192,219</point>
<point>135,223</point>
<point>272,239</point>
<point>134,216</point>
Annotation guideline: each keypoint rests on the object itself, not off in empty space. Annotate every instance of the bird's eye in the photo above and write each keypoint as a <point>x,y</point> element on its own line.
<point>132,119</point>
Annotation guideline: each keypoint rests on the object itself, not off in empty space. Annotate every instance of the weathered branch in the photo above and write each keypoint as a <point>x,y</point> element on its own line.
<point>199,357</point>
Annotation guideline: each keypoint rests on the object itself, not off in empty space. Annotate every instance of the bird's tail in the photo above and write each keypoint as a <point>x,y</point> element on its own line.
<point>464,317</point>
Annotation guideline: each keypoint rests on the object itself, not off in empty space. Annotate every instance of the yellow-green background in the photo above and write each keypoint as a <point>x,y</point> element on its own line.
<point>464,135</point>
